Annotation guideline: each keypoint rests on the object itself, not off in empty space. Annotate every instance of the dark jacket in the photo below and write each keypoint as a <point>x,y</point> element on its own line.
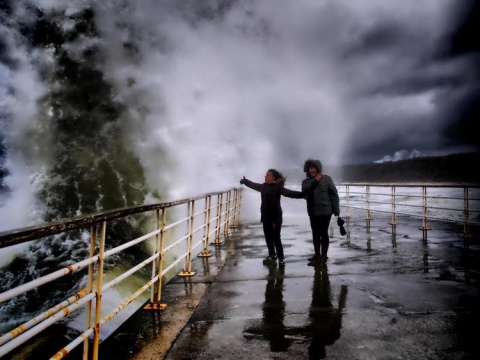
<point>270,208</point>
<point>322,196</point>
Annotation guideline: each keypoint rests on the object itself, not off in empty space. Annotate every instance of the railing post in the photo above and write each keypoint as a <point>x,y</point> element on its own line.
<point>233,223</point>
<point>190,237</point>
<point>424,227</point>
<point>206,229</point>
<point>187,270</point>
<point>227,215</point>
<point>394,222</point>
<point>368,218</point>
<point>160,266</point>
<point>91,274</point>
<point>347,196</point>
<point>239,205</point>
<point>157,264</point>
<point>236,211</point>
<point>218,223</point>
<point>99,284</point>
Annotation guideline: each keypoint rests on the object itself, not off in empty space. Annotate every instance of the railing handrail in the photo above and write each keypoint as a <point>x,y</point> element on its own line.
<point>463,209</point>
<point>25,234</point>
<point>407,184</point>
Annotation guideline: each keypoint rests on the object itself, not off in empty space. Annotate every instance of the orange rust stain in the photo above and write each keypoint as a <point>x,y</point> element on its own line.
<point>62,353</point>
<point>155,306</point>
<point>17,331</point>
<point>80,294</point>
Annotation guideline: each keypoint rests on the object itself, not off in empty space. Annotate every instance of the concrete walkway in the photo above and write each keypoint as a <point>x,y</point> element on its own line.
<point>380,296</point>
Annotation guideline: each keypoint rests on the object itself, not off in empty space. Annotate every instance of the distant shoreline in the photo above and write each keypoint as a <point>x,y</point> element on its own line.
<point>449,169</point>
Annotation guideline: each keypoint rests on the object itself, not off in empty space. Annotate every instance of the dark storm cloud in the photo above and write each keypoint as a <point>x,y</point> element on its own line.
<point>466,42</point>
<point>415,85</point>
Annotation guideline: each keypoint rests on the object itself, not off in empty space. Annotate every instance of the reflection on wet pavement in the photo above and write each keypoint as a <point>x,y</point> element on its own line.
<point>325,317</point>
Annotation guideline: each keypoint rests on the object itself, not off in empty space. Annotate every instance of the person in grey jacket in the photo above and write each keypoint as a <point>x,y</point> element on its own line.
<point>271,210</point>
<point>322,201</point>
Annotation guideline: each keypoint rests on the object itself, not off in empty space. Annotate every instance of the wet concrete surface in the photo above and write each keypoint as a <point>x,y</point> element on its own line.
<point>380,296</point>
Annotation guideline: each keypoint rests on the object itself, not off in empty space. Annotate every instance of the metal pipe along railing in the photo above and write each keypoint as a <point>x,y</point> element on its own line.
<point>457,203</point>
<point>221,211</point>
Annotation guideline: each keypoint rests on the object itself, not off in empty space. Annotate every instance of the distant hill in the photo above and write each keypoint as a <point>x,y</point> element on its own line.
<point>436,169</point>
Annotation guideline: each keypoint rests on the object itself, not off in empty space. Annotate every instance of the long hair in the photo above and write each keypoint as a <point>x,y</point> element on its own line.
<point>276,174</point>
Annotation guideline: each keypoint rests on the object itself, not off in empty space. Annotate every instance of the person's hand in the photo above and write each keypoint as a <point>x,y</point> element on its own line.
<point>340,223</point>
<point>242,180</point>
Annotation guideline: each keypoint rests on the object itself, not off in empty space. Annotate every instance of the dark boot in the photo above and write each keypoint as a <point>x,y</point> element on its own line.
<point>324,257</point>
<point>324,249</point>
<point>315,257</point>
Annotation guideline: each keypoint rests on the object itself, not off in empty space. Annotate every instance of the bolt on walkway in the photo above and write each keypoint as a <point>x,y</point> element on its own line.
<point>380,296</point>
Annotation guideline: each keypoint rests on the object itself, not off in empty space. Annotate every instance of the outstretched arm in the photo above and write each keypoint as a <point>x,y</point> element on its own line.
<point>250,184</point>
<point>292,193</point>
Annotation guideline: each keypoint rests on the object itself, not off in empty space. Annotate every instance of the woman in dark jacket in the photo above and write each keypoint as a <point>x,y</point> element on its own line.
<point>271,210</point>
<point>322,202</point>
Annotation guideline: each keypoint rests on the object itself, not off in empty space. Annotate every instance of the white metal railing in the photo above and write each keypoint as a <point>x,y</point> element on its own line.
<point>220,212</point>
<point>456,203</point>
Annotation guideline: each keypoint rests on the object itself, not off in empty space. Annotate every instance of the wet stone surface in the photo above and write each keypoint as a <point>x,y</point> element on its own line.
<point>380,296</point>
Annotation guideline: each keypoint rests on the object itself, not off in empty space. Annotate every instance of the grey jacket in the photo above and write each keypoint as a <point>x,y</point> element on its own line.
<point>322,196</point>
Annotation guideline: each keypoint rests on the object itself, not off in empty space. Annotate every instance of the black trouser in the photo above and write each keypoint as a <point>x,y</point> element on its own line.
<point>320,236</point>
<point>271,230</point>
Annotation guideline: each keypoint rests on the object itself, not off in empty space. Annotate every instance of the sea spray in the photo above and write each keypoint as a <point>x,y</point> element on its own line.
<point>67,136</point>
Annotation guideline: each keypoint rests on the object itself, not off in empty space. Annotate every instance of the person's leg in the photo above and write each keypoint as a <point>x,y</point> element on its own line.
<point>314,224</point>
<point>324,223</point>
<point>268,231</point>
<point>276,237</point>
